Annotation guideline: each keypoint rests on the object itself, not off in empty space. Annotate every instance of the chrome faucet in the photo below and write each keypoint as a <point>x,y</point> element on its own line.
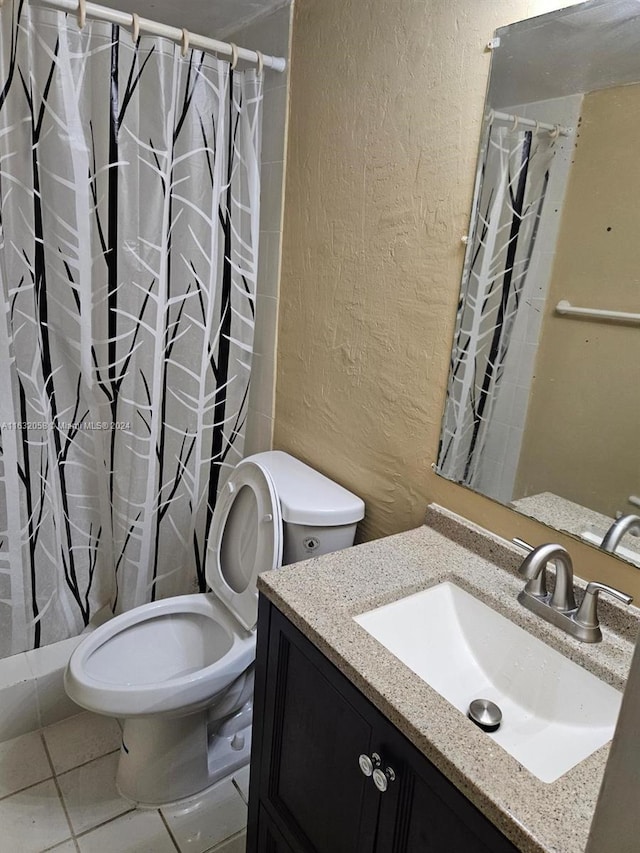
<point>560,608</point>
<point>622,525</point>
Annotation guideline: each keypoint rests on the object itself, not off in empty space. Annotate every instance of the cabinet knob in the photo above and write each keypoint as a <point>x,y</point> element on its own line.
<point>369,764</point>
<point>381,780</point>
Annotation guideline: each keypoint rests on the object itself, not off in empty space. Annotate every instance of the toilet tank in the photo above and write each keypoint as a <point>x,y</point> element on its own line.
<point>318,515</point>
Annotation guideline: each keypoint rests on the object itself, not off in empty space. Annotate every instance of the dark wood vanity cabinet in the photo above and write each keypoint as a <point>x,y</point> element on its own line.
<point>308,793</point>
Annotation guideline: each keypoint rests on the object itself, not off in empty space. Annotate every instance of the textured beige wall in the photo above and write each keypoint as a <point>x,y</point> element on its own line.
<point>385,112</point>
<point>583,421</point>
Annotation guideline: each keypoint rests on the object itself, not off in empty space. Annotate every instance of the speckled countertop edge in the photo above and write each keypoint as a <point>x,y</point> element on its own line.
<point>320,596</point>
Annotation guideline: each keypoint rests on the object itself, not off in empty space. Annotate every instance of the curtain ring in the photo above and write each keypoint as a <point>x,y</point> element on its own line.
<point>135,27</point>
<point>234,56</point>
<point>555,133</point>
<point>185,42</point>
<point>82,13</point>
<point>260,60</point>
<point>516,122</point>
<point>537,127</point>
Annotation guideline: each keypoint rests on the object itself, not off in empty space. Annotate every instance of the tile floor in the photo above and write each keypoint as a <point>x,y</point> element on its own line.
<point>57,792</point>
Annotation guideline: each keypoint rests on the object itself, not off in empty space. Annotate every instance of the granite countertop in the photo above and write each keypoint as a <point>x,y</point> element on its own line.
<point>320,596</point>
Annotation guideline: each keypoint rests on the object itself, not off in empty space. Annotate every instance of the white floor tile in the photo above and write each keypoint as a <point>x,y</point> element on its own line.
<point>81,738</point>
<point>202,822</point>
<point>65,847</point>
<point>137,832</point>
<point>23,762</point>
<point>237,844</point>
<point>33,820</point>
<point>90,794</point>
<point>241,778</point>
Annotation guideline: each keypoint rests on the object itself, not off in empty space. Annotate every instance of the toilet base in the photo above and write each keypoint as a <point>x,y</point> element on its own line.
<point>166,760</point>
<point>226,757</point>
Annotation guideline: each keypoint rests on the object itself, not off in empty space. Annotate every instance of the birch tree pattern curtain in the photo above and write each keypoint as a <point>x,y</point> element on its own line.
<point>129,203</point>
<point>510,191</point>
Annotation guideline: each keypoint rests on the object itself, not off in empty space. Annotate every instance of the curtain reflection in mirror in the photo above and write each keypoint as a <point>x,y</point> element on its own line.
<point>512,183</point>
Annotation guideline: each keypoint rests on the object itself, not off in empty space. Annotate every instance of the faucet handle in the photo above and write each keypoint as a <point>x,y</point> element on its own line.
<point>587,613</point>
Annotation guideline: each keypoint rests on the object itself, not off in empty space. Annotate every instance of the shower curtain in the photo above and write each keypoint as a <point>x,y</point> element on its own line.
<point>129,206</point>
<point>511,185</point>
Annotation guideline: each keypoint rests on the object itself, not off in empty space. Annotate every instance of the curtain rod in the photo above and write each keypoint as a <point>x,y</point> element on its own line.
<point>565,308</point>
<point>554,129</point>
<point>186,38</point>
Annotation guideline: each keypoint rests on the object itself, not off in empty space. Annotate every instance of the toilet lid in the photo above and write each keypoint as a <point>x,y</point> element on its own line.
<point>245,539</point>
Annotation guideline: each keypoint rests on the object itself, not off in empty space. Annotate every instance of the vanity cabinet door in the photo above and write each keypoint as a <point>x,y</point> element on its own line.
<point>422,812</point>
<point>270,840</point>
<point>310,784</point>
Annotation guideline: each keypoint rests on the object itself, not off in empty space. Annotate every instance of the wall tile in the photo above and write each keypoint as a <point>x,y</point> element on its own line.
<point>263,374</point>
<point>269,263</point>
<point>18,704</point>
<point>271,197</point>
<point>273,135</point>
<point>258,433</point>
<point>48,665</point>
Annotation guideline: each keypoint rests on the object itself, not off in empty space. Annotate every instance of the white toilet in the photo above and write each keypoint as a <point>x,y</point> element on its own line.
<point>179,672</point>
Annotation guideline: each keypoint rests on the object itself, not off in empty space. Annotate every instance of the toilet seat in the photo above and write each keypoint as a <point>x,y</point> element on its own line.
<point>245,539</point>
<point>103,674</point>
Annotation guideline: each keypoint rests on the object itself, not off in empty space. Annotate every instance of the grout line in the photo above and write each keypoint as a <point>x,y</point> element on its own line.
<point>226,841</point>
<point>79,713</point>
<point>58,844</point>
<point>40,781</point>
<point>64,808</point>
<point>239,790</point>
<point>57,786</point>
<point>74,835</point>
<point>26,788</point>
<point>104,823</point>
<point>168,828</point>
<point>84,763</point>
<point>48,754</point>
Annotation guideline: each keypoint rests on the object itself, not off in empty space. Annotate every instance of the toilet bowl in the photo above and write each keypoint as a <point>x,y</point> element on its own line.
<point>179,672</point>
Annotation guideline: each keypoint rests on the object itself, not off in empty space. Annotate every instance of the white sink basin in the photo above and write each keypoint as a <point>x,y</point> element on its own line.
<point>554,712</point>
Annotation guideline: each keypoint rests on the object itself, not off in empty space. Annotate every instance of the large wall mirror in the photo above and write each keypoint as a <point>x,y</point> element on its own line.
<point>543,401</point>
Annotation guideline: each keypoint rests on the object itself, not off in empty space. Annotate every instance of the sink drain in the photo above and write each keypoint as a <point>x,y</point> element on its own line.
<point>485,714</point>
